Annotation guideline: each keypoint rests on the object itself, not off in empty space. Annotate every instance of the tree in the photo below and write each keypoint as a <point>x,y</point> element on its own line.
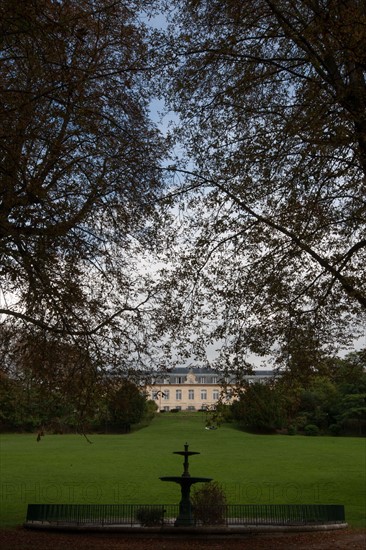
<point>349,374</point>
<point>79,163</point>
<point>331,398</point>
<point>271,98</point>
<point>48,382</point>
<point>319,401</point>
<point>48,385</point>
<point>79,183</point>
<point>127,405</point>
<point>260,408</point>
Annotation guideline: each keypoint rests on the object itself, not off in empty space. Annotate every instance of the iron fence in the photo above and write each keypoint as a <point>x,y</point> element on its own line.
<point>154,515</point>
<point>284,514</point>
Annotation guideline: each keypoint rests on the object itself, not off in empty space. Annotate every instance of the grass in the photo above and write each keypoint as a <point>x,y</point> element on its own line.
<point>126,468</point>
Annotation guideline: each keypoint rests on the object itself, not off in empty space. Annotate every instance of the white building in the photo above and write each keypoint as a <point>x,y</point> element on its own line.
<point>192,389</point>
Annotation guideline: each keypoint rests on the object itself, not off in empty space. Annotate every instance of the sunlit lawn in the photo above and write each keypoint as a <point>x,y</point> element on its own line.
<point>126,468</point>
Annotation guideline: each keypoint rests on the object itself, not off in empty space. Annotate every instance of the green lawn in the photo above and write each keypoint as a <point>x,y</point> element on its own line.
<point>126,468</point>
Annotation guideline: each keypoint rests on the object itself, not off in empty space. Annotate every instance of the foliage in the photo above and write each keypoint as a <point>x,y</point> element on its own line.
<point>79,183</point>
<point>269,250</point>
<point>292,430</point>
<point>319,401</point>
<point>31,401</point>
<point>150,516</point>
<point>334,429</point>
<point>209,502</point>
<point>352,413</point>
<point>334,403</point>
<point>51,382</point>
<point>126,405</point>
<point>151,409</point>
<point>259,408</point>
<point>311,429</point>
<point>218,414</point>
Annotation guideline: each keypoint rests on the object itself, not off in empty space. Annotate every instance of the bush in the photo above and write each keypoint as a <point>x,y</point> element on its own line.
<point>292,430</point>
<point>209,504</point>
<point>301,421</point>
<point>311,429</point>
<point>150,516</point>
<point>335,429</point>
<point>151,409</point>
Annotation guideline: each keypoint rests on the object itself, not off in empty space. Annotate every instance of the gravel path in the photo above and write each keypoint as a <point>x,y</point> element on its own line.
<point>22,539</point>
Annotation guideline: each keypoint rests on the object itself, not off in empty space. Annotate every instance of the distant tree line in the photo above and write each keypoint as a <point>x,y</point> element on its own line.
<point>25,406</point>
<point>50,384</point>
<point>332,401</point>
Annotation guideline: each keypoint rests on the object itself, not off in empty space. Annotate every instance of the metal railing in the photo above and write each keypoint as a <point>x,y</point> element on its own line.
<point>284,514</point>
<point>149,515</point>
<point>102,514</point>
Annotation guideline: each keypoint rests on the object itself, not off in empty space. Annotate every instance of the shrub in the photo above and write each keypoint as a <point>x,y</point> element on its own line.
<point>311,429</point>
<point>292,430</point>
<point>335,429</point>
<point>301,421</point>
<point>151,409</point>
<point>209,504</point>
<point>150,516</point>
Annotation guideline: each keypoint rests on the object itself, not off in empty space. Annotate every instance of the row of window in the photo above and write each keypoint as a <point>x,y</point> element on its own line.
<point>179,395</point>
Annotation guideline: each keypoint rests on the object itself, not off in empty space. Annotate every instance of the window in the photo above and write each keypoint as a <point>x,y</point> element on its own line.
<point>190,394</point>
<point>166,409</point>
<point>191,408</point>
<point>202,380</point>
<point>155,395</point>
<point>204,394</point>
<point>178,395</point>
<point>166,394</point>
<point>215,395</point>
<point>179,379</point>
<point>214,380</point>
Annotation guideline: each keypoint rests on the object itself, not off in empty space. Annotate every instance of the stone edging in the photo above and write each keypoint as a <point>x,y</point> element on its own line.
<point>171,530</point>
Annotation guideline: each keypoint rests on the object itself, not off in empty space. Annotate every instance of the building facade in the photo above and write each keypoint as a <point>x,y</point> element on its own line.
<point>192,389</point>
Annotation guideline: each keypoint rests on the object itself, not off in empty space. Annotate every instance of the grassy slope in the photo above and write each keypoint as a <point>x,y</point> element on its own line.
<point>126,468</point>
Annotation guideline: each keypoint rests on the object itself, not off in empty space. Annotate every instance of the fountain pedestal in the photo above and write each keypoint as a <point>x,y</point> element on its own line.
<point>185,517</point>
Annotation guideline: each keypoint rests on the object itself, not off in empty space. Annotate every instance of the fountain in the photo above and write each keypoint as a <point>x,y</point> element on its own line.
<point>185,517</point>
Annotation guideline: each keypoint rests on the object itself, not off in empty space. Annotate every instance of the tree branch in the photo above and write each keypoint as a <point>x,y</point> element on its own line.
<point>345,283</point>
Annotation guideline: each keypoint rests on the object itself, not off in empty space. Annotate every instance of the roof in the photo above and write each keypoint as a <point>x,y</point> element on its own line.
<point>206,372</point>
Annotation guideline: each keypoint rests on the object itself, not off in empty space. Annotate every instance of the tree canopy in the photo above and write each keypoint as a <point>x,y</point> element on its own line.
<point>271,100</point>
<point>265,249</point>
<point>79,155</point>
<point>331,402</point>
<point>79,176</point>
